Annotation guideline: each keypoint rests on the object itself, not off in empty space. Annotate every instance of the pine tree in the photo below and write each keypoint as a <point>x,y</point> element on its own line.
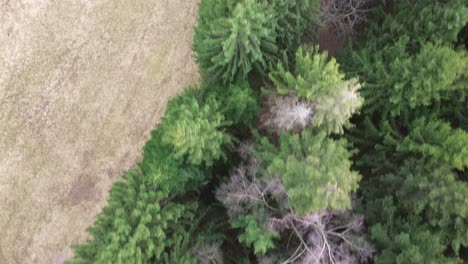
<point>194,130</point>
<point>319,81</point>
<point>407,81</point>
<point>412,136</point>
<point>425,21</point>
<point>235,39</point>
<point>314,169</point>
<point>258,205</point>
<point>238,102</point>
<point>312,76</point>
<point>255,234</point>
<point>296,18</point>
<point>403,239</point>
<point>138,225</point>
<point>299,187</point>
<point>151,215</point>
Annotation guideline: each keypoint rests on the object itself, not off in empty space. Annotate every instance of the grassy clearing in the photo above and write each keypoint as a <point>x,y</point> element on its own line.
<point>82,85</point>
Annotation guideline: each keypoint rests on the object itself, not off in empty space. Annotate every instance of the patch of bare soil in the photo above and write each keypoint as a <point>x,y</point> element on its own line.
<point>82,83</point>
<point>330,41</point>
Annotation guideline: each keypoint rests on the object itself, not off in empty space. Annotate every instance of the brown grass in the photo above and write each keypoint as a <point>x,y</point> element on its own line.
<point>82,83</point>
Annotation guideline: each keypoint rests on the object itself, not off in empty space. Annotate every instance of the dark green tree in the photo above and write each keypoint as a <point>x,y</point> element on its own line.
<point>152,215</point>
<point>233,39</point>
<point>296,19</point>
<point>411,136</point>
<point>139,224</point>
<point>238,102</point>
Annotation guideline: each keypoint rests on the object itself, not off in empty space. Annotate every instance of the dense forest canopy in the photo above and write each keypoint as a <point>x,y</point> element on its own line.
<point>284,154</point>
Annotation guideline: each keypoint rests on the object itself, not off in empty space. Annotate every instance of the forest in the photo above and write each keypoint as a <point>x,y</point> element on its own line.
<point>286,154</point>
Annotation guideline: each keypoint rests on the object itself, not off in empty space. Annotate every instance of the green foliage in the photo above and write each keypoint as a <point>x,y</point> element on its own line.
<point>254,234</point>
<point>319,79</point>
<point>428,139</point>
<point>437,142</point>
<point>237,36</point>
<point>149,217</point>
<point>423,20</point>
<point>431,195</point>
<point>314,169</point>
<point>295,18</point>
<point>165,210</point>
<point>238,103</point>
<point>403,240</point>
<point>136,226</point>
<point>234,39</point>
<point>397,81</point>
<point>412,135</point>
<point>173,175</point>
<point>193,130</point>
<point>333,111</point>
<point>314,75</point>
<point>436,69</point>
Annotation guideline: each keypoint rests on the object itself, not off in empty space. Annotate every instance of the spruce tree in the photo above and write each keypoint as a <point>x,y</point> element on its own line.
<point>194,131</point>
<point>236,39</point>
<point>238,102</point>
<point>295,185</point>
<point>296,19</point>
<point>412,137</point>
<point>317,79</point>
<point>314,169</point>
<point>138,225</point>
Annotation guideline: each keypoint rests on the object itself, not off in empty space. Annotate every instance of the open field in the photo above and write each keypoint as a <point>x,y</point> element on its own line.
<point>82,83</point>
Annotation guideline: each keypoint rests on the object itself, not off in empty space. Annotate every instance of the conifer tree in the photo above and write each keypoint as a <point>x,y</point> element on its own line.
<point>314,169</point>
<point>298,185</point>
<point>296,18</point>
<point>236,39</point>
<point>260,206</point>
<point>238,102</point>
<point>150,216</point>
<point>411,138</point>
<point>138,225</point>
<point>426,21</point>
<point>194,131</point>
<point>318,80</point>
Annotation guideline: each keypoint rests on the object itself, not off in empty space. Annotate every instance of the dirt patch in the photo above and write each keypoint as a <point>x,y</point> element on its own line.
<point>330,41</point>
<point>84,189</point>
<point>82,83</point>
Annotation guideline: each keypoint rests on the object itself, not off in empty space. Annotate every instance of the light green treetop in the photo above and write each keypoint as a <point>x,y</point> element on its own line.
<point>319,80</point>
<point>314,169</point>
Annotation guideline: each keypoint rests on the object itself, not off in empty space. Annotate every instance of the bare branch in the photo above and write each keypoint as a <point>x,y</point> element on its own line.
<point>285,113</point>
<point>323,237</point>
<point>344,15</point>
<point>208,253</point>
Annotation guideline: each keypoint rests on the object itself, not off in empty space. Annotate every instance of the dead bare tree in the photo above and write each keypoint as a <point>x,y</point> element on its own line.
<point>325,237</point>
<point>208,253</point>
<point>285,112</point>
<point>343,16</point>
<point>328,237</point>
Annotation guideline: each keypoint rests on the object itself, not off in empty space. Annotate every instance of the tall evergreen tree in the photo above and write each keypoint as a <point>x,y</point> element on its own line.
<point>139,224</point>
<point>314,169</point>
<point>291,195</point>
<point>412,137</point>
<point>236,39</point>
<point>194,131</point>
<point>318,80</point>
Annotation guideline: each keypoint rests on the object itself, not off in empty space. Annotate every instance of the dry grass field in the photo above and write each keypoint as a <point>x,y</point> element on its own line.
<point>82,83</point>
